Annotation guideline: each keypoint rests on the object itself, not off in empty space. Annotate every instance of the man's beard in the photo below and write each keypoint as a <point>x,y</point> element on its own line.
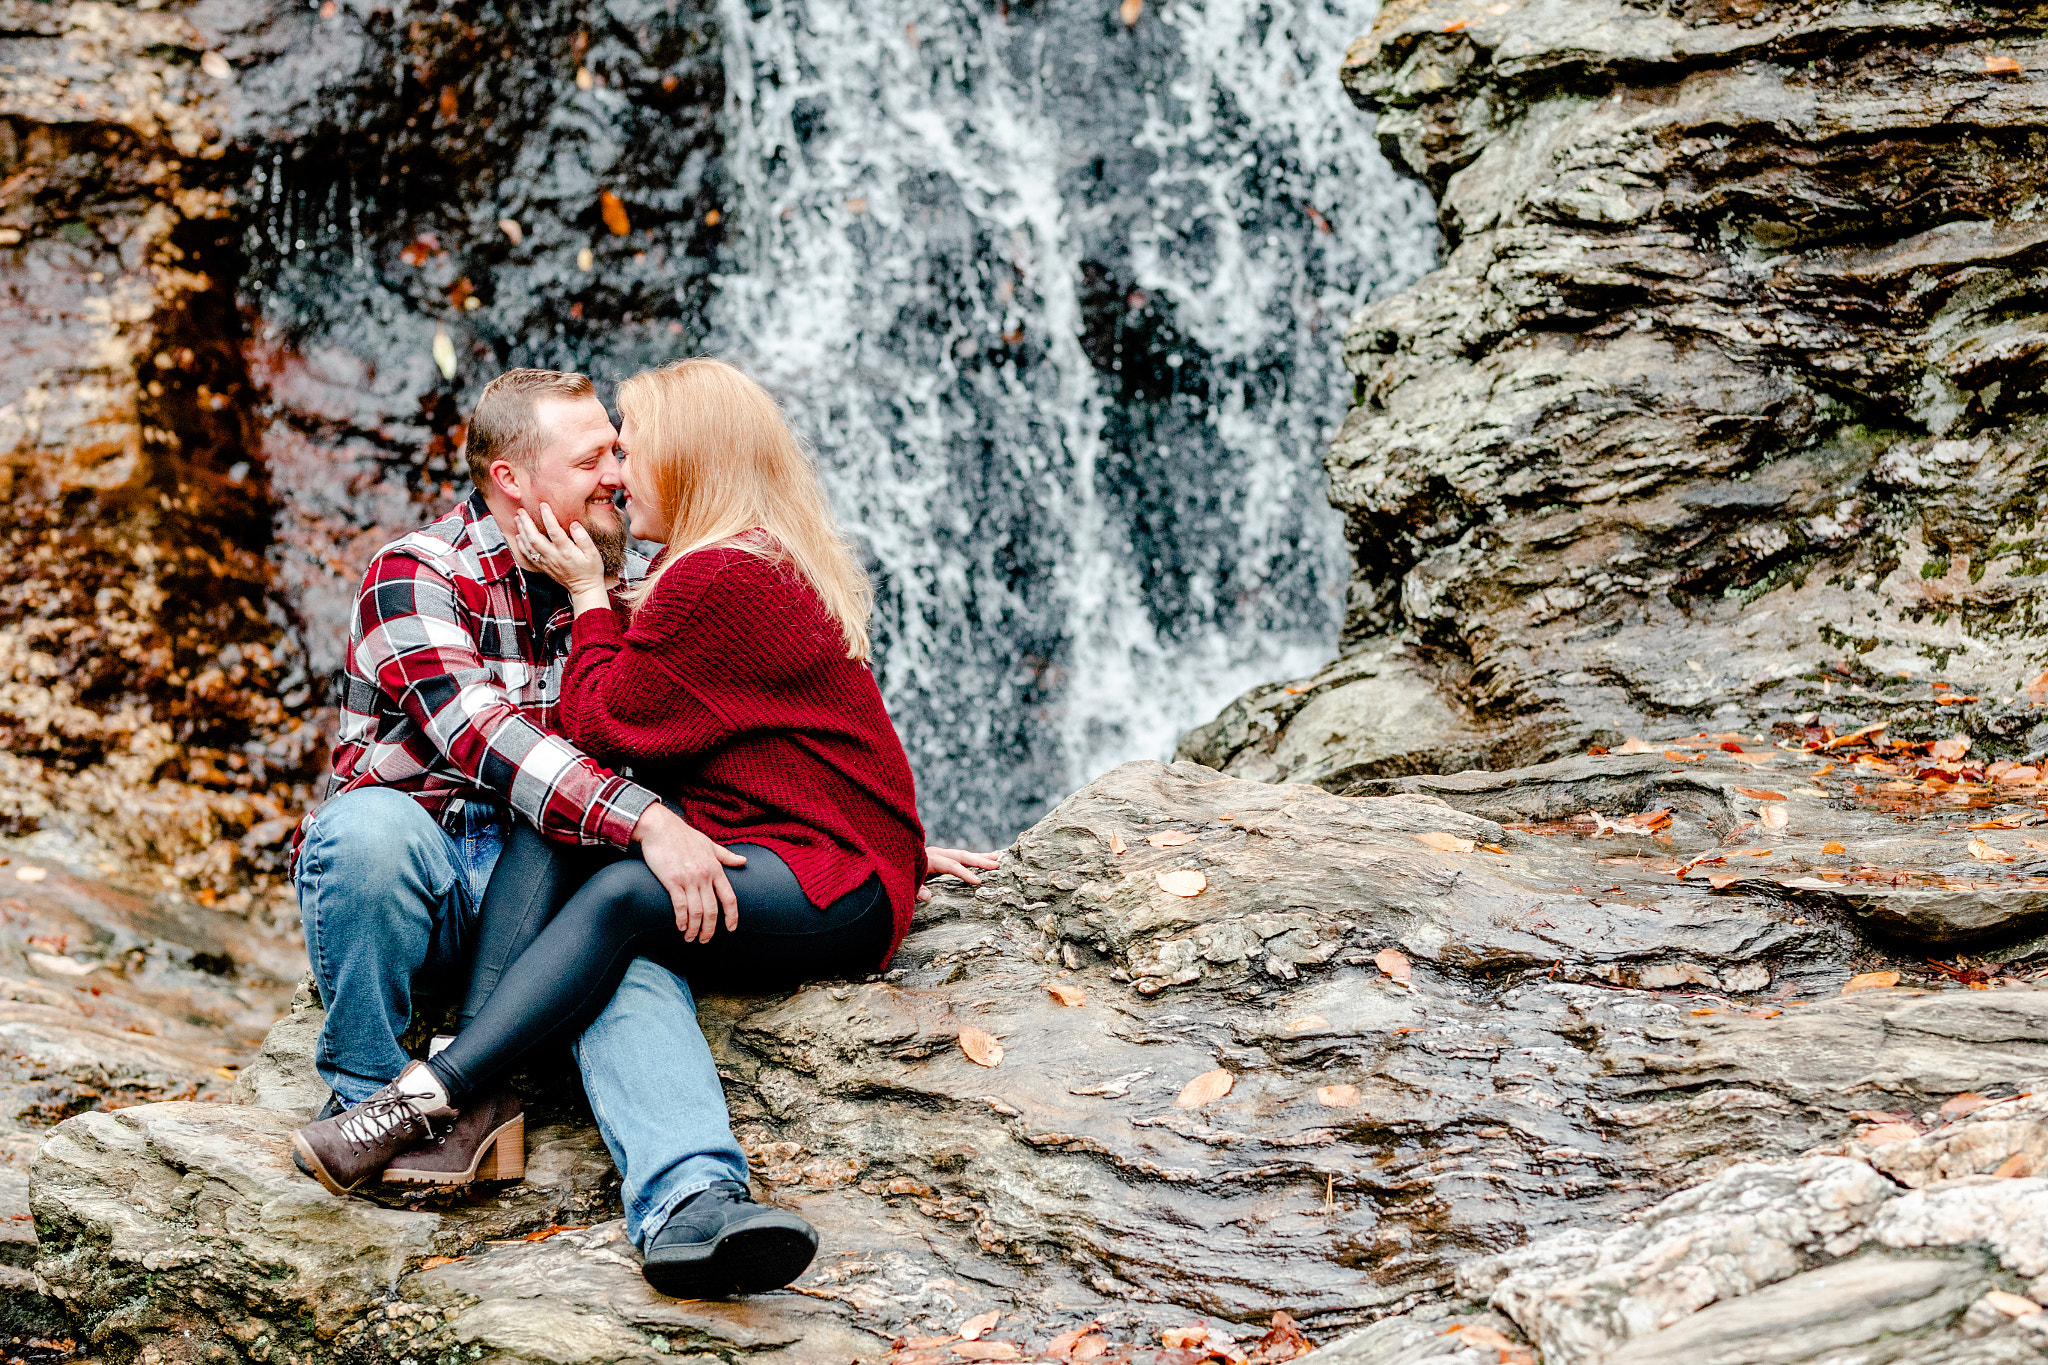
<point>609,537</point>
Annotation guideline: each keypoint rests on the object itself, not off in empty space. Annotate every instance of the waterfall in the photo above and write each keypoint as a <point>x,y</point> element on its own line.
<point>1057,290</point>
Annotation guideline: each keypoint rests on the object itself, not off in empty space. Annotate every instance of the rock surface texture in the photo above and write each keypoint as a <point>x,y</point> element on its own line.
<point>1260,1047</point>
<point>1723,406</point>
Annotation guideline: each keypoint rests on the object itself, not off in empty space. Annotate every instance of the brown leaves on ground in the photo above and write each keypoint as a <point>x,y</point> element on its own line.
<point>1116,844</point>
<point>1834,847</point>
<point>980,1048</point>
<point>1395,965</point>
<point>1338,1096</point>
<point>1758,794</point>
<point>1205,1089</point>
<point>1193,1344</point>
<point>613,210</point>
<point>988,1350</point>
<point>1985,853</point>
<point>1171,838</point>
<point>1183,881</point>
<point>1967,1103</point>
<point>1283,1341</point>
<point>1647,822</point>
<point>980,1325</point>
<point>1998,64</point>
<point>1065,994</point>
<point>1870,981</point>
<point>1447,843</point>
<point>435,1262</point>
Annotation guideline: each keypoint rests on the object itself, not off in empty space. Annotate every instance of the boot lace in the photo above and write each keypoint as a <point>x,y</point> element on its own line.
<point>378,1118</point>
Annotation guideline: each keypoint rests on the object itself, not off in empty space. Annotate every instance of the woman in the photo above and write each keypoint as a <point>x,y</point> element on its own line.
<point>734,681</point>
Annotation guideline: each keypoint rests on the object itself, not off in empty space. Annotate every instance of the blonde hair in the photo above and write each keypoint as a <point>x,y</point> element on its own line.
<point>717,458</point>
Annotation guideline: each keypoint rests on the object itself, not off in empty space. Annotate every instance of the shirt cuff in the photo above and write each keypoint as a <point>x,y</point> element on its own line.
<point>617,810</point>
<point>596,627</point>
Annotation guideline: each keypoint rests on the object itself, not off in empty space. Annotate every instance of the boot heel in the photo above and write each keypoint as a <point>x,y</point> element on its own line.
<point>506,1157</point>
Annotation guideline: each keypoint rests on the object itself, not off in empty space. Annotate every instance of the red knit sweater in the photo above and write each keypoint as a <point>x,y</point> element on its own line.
<point>730,692</point>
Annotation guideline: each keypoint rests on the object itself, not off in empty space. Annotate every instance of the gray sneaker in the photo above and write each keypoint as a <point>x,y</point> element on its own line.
<point>720,1242</point>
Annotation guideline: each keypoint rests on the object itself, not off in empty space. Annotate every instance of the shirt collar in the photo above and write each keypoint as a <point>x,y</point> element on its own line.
<point>493,552</point>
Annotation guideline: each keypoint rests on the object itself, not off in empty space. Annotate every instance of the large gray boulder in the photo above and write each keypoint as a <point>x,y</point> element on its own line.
<point>1720,406</point>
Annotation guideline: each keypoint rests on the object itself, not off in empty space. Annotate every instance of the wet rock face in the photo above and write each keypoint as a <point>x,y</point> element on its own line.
<point>1350,1075</point>
<point>146,687</point>
<point>1722,403</point>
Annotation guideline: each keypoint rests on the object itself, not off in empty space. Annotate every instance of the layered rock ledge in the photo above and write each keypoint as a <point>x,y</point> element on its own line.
<point>1723,405</point>
<point>1385,1042</point>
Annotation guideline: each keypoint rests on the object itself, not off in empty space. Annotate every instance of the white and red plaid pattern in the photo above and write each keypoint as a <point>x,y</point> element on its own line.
<point>448,695</point>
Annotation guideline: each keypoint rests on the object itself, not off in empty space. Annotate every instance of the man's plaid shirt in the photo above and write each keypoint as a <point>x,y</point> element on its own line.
<point>448,695</point>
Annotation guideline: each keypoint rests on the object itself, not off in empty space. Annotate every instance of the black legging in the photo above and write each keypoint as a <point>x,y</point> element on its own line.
<point>555,937</point>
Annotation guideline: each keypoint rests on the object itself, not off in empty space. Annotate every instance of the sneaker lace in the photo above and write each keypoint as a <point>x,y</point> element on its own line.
<point>376,1118</point>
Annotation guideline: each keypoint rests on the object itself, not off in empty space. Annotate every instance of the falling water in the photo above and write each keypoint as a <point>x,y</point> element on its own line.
<point>1059,299</point>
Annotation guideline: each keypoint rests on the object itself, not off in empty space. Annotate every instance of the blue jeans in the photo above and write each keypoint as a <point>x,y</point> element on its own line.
<point>657,1097</point>
<point>386,895</point>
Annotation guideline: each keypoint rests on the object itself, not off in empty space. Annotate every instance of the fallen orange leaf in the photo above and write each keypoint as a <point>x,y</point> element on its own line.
<point>613,210</point>
<point>1129,11</point>
<point>1172,838</point>
<point>1181,1338</point>
<point>1186,881</point>
<point>2018,1166</point>
<point>1283,1341</point>
<point>1390,961</point>
<point>1210,1085</point>
<point>1773,817</point>
<point>1677,757</point>
<point>1870,981</point>
<point>433,1261</point>
<point>978,1326</point>
<point>1966,1103</point>
<point>550,1231</point>
<point>2000,65</point>
<point>1885,1134</point>
<point>1834,846</point>
<point>1758,794</point>
<point>1337,1096</point>
<point>1722,881</point>
<point>1116,842</point>
<point>1065,994</point>
<point>988,1350</point>
<point>1447,843</point>
<point>980,1048</point>
<point>1063,1346</point>
<point>1985,853</point>
<point>1634,746</point>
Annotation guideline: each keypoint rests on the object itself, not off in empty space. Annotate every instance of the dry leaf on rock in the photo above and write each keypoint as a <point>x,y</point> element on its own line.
<point>1759,794</point>
<point>988,1350</point>
<point>1833,846</point>
<point>1062,1346</point>
<point>1391,961</point>
<point>30,874</point>
<point>434,1261</point>
<point>1677,757</point>
<point>1447,843</point>
<point>1481,1337</point>
<point>550,1231</point>
<point>1632,745</point>
<point>2012,1305</point>
<point>1967,1103</point>
<point>980,1048</point>
<point>1337,1096</point>
<point>2018,1166</point>
<point>1181,1338</point>
<point>1129,11</point>
<point>1183,881</point>
<point>1985,853</point>
<point>1773,817</point>
<point>1116,842</point>
<point>1885,1134</point>
<point>1065,994</point>
<point>2001,65</point>
<point>1307,1022</point>
<point>1871,981</point>
<point>1210,1085</point>
<point>980,1325</point>
<point>1723,880</point>
<point>1171,838</point>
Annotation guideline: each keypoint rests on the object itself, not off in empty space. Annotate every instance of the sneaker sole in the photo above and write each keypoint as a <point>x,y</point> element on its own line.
<point>501,1156</point>
<point>749,1261</point>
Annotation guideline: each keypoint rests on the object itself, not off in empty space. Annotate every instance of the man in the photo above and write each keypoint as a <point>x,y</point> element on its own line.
<point>452,684</point>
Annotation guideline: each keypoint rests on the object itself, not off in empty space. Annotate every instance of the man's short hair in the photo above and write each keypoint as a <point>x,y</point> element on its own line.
<point>504,425</point>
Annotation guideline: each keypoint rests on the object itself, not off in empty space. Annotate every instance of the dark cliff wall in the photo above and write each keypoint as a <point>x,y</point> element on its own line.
<point>1724,408</point>
<point>254,251</point>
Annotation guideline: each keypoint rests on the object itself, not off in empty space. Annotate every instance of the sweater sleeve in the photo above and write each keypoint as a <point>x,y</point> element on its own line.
<point>621,698</point>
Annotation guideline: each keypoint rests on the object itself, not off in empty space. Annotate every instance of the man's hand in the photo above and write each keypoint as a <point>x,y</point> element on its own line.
<point>693,870</point>
<point>954,862</point>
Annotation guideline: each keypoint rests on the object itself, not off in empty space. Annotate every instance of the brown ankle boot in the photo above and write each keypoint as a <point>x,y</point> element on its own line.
<point>344,1151</point>
<point>488,1142</point>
